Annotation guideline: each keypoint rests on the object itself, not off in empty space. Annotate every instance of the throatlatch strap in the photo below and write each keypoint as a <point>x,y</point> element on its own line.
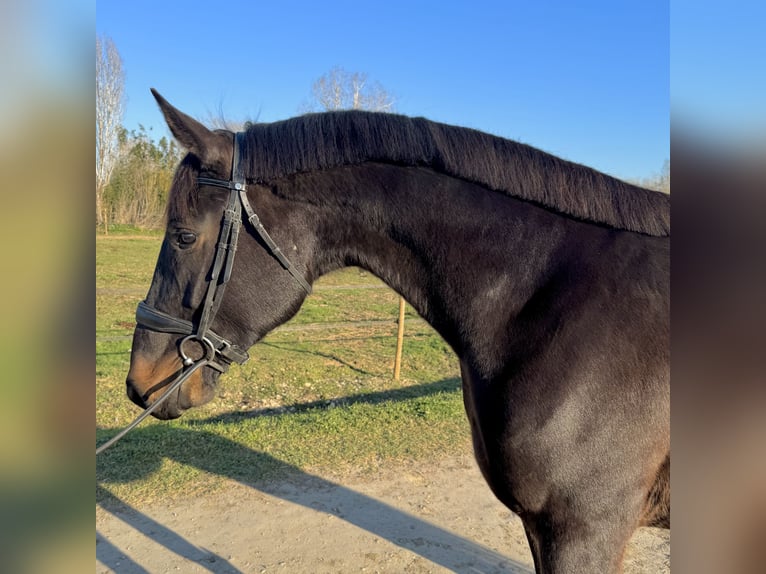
<point>255,221</point>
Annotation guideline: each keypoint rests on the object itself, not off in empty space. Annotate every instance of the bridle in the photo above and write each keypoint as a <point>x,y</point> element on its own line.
<point>219,352</point>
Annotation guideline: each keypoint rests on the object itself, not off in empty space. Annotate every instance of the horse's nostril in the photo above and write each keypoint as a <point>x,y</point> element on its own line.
<point>134,395</point>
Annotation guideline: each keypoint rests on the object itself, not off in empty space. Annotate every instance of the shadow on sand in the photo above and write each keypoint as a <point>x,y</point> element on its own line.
<point>188,447</point>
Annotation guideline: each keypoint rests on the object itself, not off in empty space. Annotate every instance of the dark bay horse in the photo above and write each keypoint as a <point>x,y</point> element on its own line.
<point>549,280</point>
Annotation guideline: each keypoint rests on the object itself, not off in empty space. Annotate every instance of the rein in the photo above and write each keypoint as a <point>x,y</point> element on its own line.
<point>151,408</point>
<point>219,351</point>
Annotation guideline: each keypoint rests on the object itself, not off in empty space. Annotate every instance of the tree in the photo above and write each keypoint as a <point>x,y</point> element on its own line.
<point>342,90</point>
<point>137,191</point>
<point>110,90</point>
<point>659,181</point>
<point>663,180</point>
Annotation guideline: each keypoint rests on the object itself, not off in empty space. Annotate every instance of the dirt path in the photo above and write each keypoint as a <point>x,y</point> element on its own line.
<point>403,520</point>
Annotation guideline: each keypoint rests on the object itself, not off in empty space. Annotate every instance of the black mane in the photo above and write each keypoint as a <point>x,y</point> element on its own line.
<point>332,139</point>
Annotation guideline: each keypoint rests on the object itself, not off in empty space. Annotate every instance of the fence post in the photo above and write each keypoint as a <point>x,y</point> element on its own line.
<point>399,340</point>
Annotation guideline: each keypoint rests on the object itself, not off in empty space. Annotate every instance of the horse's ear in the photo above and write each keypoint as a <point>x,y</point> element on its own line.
<point>212,148</point>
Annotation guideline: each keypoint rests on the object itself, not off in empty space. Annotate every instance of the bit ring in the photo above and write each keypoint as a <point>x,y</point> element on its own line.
<point>206,344</point>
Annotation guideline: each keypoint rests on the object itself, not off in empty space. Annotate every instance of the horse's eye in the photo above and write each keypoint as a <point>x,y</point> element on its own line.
<point>186,238</point>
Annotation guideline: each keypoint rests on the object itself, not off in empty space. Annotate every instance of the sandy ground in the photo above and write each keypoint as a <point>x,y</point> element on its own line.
<point>405,519</point>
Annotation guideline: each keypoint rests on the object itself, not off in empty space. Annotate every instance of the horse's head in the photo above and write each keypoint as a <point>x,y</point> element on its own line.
<point>186,315</point>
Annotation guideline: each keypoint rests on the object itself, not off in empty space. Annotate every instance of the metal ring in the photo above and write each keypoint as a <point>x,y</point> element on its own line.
<point>204,341</point>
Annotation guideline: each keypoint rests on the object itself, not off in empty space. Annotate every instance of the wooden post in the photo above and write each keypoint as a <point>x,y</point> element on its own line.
<point>399,340</point>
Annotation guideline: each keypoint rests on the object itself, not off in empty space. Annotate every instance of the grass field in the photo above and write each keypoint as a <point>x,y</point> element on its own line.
<point>317,394</point>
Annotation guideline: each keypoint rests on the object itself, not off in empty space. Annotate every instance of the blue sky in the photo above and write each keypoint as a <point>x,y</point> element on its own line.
<point>588,81</point>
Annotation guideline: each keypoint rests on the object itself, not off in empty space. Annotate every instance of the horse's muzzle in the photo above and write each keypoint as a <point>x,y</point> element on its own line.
<point>168,410</point>
<point>134,395</point>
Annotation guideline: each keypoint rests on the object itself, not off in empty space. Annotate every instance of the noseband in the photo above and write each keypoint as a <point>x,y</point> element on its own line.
<point>219,351</point>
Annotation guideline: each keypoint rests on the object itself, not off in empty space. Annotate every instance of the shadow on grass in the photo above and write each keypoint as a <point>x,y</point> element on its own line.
<point>374,398</point>
<point>260,471</point>
<point>288,348</point>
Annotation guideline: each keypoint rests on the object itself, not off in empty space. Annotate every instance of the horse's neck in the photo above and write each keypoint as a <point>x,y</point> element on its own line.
<point>461,255</point>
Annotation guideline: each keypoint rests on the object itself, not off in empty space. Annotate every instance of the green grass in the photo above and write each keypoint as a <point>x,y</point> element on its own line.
<point>119,229</point>
<point>310,399</point>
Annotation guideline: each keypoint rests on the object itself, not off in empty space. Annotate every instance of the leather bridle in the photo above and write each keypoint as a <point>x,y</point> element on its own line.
<point>219,352</point>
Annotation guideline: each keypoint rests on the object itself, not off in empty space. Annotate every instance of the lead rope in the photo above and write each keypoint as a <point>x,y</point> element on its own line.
<point>151,408</point>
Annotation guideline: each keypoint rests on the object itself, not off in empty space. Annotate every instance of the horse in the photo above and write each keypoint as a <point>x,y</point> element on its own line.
<point>548,279</point>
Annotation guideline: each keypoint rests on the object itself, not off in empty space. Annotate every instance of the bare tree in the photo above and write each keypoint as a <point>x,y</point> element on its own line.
<point>342,90</point>
<point>663,180</point>
<point>659,181</point>
<point>110,90</point>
